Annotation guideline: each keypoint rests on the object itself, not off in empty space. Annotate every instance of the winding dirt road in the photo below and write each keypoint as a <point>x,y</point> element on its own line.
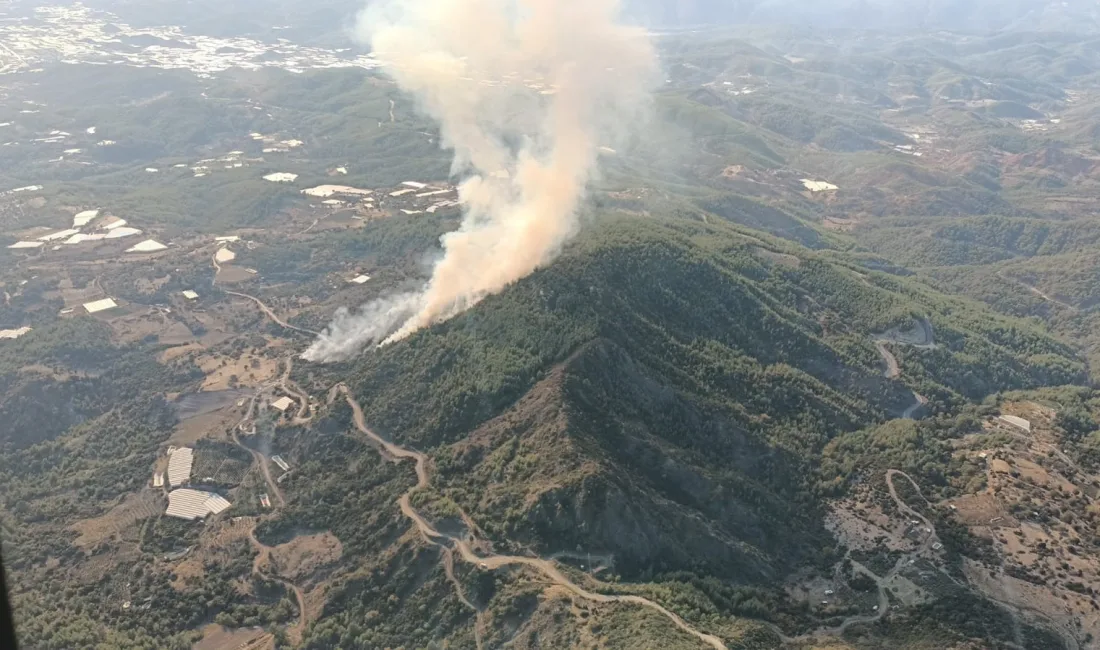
<point>272,315</point>
<point>1037,291</point>
<point>264,551</point>
<point>489,562</point>
<point>893,369</point>
<point>261,558</point>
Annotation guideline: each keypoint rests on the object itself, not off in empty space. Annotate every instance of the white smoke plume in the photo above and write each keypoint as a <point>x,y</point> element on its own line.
<point>525,92</point>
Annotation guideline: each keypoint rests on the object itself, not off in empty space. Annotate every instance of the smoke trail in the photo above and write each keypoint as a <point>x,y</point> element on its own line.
<point>524,91</point>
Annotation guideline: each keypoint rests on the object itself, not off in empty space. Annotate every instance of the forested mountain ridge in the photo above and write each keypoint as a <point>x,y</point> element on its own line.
<point>764,388</point>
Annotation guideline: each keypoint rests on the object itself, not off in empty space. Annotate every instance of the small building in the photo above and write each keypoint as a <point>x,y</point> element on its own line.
<point>27,244</point>
<point>282,404</point>
<point>360,279</point>
<point>100,305</point>
<point>265,501</point>
<point>158,479</point>
<point>190,295</point>
<point>283,465</point>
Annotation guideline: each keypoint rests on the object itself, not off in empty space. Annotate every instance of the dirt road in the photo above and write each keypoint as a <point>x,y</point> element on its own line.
<point>1037,291</point>
<point>262,558</point>
<point>270,314</point>
<point>546,568</point>
<point>921,337</point>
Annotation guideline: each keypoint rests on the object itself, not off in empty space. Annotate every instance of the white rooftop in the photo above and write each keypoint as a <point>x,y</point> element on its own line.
<point>227,238</point>
<point>14,334</point>
<point>281,177</point>
<point>114,222</point>
<point>283,403</point>
<point>190,295</point>
<point>27,244</point>
<point>325,191</point>
<point>361,279</point>
<point>818,186</point>
<point>179,466</point>
<point>414,185</point>
<point>194,504</point>
<point>61,234</point>
<point>119,233</point>
<point>100,305</point>
<point>1017,422</point>
<point>82,219</point>
<point>80,238</point>
<point>147,246</point>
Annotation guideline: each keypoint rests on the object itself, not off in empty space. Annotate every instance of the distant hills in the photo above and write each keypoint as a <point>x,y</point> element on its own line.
<point>330,21</point>
<point>956,15</point>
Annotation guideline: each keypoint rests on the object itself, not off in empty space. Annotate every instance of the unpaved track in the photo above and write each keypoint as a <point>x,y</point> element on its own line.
<point>449,570</point>
<point>1037,291</point>
<point>272,315</point>
<point>263,550</point>
<point>264,554</point>
<point>893,369</point>
<point>547,569</point>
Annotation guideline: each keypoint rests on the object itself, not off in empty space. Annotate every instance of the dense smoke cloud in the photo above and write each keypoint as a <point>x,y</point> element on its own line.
<point>525,92</point>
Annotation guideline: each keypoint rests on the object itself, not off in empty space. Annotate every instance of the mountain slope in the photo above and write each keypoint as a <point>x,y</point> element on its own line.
<point>661,392</point>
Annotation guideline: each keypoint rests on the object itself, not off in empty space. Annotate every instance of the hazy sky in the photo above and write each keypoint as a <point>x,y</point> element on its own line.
<point>939,14</point>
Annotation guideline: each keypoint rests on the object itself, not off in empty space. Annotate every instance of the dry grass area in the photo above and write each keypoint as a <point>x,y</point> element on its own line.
<point>1042,523</point>
<point>49,373</point>
<point>194,429</point>
<point>133,327</point>
<point>861,524</point>
<point>250,369</point>
<point>132,509</point>
<point>180,351</point>
<point>301,557</point>
<point>216,637</point>
<point>234,275</point>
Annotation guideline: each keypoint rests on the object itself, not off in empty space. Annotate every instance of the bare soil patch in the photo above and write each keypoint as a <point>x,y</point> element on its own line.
<point>194,429</point>
<point>301,557</point>
<point>234,275</point>
<point>216,637</point>
<point>250,369</point>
